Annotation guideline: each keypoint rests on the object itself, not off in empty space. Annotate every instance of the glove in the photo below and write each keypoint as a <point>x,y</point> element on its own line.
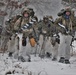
<point>44,32</point>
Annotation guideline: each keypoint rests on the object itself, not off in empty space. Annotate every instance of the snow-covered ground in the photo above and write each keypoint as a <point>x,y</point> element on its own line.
<point>39,66</point>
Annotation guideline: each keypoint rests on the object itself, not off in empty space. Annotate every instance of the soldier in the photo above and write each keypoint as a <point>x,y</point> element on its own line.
<point>65,25</point>
<point>34,34</point>
<point>46,28</point>
<point>16,23</point>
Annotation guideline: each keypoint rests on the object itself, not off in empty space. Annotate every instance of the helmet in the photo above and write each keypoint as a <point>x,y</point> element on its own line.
<point>50,17</point>
<point>45,17</point>
<point>25,10</point>
<point>68,10</point>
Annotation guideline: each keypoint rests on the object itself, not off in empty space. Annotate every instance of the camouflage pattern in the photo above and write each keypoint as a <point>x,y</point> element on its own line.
<point>68,23</point>
<point>17,25</point>
<point>66,31</point>
<point>18,22</point>
<point>13,25</point>
<point>47,28</point>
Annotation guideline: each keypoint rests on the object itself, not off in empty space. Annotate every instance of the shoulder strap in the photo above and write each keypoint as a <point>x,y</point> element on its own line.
<point>20,21</point>
<point>70,24</point>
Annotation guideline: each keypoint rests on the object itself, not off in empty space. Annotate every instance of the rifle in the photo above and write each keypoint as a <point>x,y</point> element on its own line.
<point>65,28</point>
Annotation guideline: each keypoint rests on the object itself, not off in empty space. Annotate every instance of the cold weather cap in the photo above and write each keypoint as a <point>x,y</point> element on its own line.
<point>25,10</point>
<point>68,10</point>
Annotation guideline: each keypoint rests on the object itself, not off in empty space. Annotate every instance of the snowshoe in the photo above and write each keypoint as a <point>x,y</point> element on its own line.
<point>62,60</point>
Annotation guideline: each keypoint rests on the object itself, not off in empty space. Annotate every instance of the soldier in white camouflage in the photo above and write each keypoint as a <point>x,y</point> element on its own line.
<point>16,24</point>
<point>47,29</point>
<point>66,26</point>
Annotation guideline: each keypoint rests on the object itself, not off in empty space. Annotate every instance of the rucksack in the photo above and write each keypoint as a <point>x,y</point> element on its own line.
<point>32,42</point>
<point>15,18</point>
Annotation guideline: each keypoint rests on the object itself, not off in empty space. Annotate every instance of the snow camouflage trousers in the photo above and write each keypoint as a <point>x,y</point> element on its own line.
<point>64,49</point>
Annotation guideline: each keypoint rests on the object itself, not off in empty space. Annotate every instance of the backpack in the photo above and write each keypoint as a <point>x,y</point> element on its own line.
<point>15,18</point>
<point>32,42</point>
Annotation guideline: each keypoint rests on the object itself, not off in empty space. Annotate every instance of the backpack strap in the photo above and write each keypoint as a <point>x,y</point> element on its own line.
<point>20,22</point>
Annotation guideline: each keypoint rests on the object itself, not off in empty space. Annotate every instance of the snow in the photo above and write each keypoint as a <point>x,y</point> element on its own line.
<point>38,66</point>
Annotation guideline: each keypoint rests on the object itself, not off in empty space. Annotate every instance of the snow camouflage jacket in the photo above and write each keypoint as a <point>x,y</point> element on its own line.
<point>26,25</point>
<point>19,21</point>
<point>16,23</point>
<point>32,27</point>
<point>66,26</point>
<point>47,28</point>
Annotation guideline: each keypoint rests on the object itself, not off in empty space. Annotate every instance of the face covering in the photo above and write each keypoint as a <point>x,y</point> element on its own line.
<point>66,16</point>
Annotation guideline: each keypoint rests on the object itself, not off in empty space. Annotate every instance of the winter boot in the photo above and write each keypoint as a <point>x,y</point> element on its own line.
<point>62,59</point>
<point>67,61</point>
<point>29,60</point>
<point>54,59</point>
<point>10,54</point>
<point>21,58</point>
<point>48,55</point>
<point>41,56</point>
